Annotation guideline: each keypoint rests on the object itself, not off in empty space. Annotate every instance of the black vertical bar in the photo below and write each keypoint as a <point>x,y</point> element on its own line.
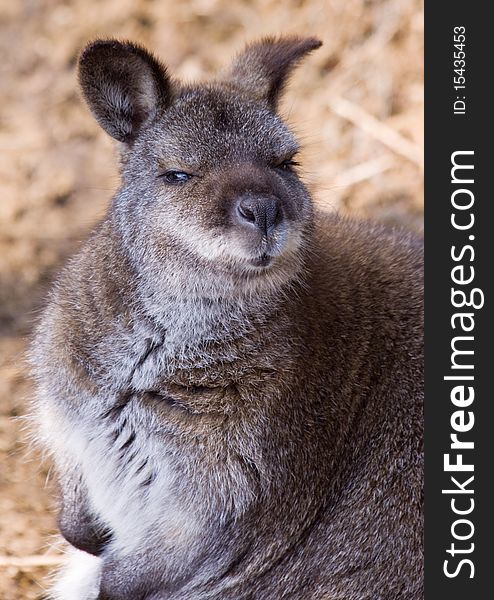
<point>446,133</point>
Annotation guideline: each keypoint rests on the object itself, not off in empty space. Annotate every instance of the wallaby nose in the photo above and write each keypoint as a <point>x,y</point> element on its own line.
<point>263,212</point>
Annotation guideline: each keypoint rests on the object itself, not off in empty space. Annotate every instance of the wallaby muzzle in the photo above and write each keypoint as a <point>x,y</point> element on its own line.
<point>261,212</point>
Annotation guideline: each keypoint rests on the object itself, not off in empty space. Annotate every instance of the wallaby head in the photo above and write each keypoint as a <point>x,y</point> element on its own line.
<point>208,171</point>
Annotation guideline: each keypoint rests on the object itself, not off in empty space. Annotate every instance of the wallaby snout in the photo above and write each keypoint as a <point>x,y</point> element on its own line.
<point>269,213</point>
<point>261,212</point>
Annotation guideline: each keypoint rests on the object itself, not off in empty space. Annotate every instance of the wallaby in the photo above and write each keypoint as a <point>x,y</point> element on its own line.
<point>229,381</point>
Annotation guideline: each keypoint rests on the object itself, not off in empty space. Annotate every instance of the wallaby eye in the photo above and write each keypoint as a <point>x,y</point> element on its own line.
<point>287,164</point>
<point>175,177</point>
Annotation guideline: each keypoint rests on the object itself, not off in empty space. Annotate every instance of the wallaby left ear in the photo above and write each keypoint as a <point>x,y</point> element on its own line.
<point>124,85</point>
<point>262,69</point>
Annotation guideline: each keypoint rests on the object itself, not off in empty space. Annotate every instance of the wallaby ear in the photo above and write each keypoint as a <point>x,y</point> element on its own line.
<point>124,86</point>
<point>262,69</point>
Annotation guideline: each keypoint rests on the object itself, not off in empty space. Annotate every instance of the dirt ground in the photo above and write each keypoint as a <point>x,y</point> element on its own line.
<point>356,104</point>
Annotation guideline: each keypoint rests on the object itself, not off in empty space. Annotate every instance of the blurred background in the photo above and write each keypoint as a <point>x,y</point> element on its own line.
<point>356,104</point>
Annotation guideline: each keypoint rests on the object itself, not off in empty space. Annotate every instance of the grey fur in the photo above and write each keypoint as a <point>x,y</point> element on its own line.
<point>233,414</point>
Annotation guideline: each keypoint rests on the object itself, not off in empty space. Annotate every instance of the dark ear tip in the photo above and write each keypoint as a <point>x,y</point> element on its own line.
<point>93,52</point>
<point>112,47</point>
<point>308,44</point>
<point>315,43</point>
<point>99,47</point>
<point>304,44</point>
<point>94,47</point>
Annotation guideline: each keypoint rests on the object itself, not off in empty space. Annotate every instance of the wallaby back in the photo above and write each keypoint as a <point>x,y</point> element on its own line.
<point>230,382</point>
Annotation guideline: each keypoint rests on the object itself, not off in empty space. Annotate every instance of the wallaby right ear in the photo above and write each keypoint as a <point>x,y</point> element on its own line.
<point>124,85</point>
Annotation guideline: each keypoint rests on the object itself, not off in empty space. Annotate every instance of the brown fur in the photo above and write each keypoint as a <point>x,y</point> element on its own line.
<point>261,392</point>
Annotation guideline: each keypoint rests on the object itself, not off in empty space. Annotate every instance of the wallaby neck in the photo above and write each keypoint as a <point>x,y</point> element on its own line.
<point>196,303</point>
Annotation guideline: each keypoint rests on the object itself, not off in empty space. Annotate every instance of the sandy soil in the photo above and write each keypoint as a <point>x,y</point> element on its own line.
<point>357,105</point>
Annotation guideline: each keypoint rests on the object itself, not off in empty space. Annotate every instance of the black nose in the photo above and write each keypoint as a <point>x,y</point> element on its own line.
<point>264,212</point>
